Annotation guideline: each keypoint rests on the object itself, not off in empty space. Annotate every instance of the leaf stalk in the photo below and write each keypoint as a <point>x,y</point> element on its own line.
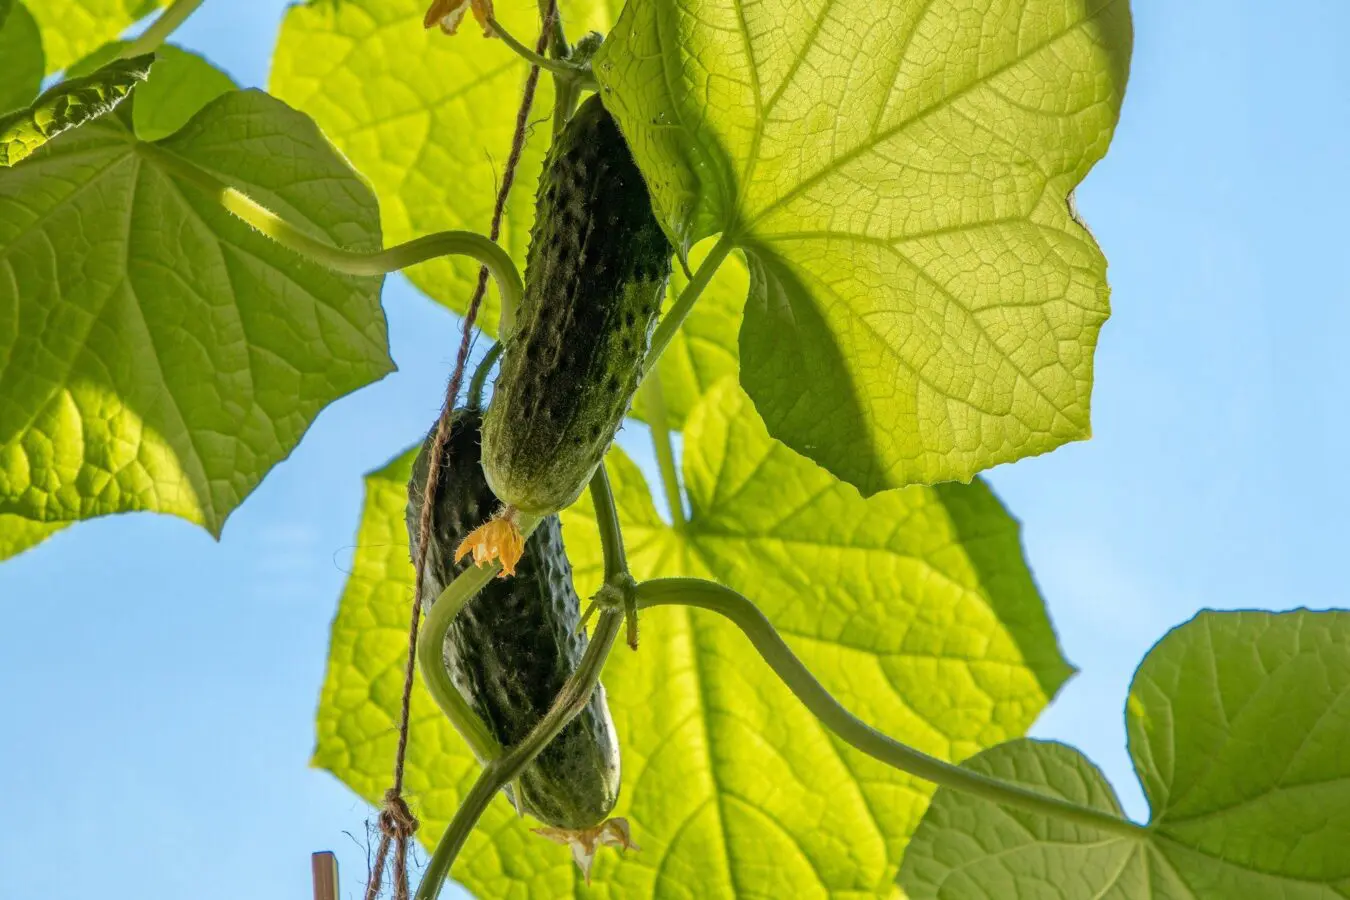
<point>159,30</point>
<point>670,323</point>
<point>354,262</point>
<point>745,615</point>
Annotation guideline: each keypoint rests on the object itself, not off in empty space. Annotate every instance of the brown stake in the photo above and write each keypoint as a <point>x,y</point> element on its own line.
<point>324,868</point>
<point>397,823</point>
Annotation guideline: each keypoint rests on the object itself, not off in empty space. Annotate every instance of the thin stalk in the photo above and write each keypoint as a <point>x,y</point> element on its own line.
<point>665,455</point>
<point>675,316</point>
<point>607,520</point>
<point>575,693</point>
<point>746,616</point>
<point>480,375</point>
<point>559,67</point>
<point>352,262</point>
<point>557,42</point>
<point>160,29</point>
<point>431,655</point>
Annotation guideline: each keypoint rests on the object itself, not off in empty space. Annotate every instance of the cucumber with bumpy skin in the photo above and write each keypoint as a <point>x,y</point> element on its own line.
<point>510,649</point>
<point>594,278</point>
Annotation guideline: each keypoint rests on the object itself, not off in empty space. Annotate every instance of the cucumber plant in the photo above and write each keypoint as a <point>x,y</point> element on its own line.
<point>879,287</point>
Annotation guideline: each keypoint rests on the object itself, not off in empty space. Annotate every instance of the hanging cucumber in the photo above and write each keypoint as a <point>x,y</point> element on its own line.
<point>594,278</point>
<point>511,648</point>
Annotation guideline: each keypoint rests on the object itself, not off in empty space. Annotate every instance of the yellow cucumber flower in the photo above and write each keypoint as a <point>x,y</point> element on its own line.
<point>498,538</point>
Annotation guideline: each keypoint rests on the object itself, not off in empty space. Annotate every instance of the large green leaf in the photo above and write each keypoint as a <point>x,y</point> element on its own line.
<point>71,29</point>
<point>425,117</point>
<point>18,534</point>
<point>69,104</point>
<point>180,85</point>
<point>1238,723</point>
<point>924,302</point>
<point>914,607</point>
<point>164,355</point>
<point>20,57</point>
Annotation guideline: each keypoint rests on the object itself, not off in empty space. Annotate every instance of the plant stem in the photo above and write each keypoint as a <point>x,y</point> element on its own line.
<point>431,655</point>
<point>665,455</point>
<point>746,616</point>
<point>352,262</point>
<point>557,43</point>
<point>565,93</point>
<point>559,67</point>
<point>480,375</point>
<point>675,316</point>
<point>607,520</point>
<point>160,29</point>
<point>502,771</point>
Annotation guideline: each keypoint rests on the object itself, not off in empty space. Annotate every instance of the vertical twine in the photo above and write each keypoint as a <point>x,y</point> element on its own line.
<point>397,823</point>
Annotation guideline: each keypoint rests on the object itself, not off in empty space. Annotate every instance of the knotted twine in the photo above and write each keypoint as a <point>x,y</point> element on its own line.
<point>396,821</point>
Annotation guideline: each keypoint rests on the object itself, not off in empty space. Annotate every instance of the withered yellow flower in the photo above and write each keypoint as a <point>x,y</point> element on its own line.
<point>498,538</point>
<point>449,13</point>
<point>585,841</point>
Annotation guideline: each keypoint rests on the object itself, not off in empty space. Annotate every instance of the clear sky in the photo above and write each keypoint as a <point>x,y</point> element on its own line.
<point>157,689</point>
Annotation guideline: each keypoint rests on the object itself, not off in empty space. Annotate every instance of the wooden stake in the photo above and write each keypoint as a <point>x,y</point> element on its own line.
<point>325,868</point>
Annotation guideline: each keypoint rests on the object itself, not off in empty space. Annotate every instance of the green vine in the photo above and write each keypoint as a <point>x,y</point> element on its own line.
<point>700,594</point>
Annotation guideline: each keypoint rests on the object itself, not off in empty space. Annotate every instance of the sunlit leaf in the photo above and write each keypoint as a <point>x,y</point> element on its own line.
<point>924,303</point>
<point>20,57</point>
<point>18,534</point>
<point>165,355</point>
<point>914,607</point>
<point>180,85</point>
<point>1238,723</point>
<point>427,118</point>
<point>67,105</point>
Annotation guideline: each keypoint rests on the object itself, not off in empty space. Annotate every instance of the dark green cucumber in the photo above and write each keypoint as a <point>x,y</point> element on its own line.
<point>511,648</point>
<point>594,278</point>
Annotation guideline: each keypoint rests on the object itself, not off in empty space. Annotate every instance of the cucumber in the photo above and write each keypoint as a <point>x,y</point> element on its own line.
<point>510,649</point>
<point>595,275</point>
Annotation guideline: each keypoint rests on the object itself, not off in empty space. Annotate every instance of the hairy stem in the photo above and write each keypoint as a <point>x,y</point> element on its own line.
<point>431,655</point>
<point>665,455</point>
<point>160,29</point>
<point>352,262</point>
<point>679,310</point>
<point>480,375</point>
<point>746,616</point>
<point>575,693</point>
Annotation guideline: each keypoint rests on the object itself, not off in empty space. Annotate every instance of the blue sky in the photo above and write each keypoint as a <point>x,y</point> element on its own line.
<point>159,688</point>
